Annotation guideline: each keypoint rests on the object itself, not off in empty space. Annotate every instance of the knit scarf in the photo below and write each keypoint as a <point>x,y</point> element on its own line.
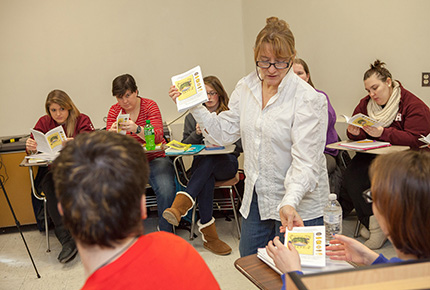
<point>385,116</point>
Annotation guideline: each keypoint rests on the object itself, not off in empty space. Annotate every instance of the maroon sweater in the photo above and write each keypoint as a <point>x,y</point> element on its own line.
<point>412,121</point>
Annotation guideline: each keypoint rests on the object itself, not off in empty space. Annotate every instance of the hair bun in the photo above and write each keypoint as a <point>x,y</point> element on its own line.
<point>279,25</point>
<point>378,64</point>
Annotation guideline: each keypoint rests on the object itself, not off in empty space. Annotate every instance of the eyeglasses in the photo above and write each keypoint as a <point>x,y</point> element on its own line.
<point>212,94</point>
<point>367,195</point>
<point>268,64</point>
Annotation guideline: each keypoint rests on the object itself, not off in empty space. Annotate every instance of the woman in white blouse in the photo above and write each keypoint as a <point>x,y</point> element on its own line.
<point>282,121</point>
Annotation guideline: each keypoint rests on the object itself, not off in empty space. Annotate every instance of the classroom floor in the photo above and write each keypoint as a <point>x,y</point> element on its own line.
<point>17,272</point>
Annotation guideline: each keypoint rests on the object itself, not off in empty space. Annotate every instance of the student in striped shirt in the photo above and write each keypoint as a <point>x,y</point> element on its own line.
<point>161,178</point>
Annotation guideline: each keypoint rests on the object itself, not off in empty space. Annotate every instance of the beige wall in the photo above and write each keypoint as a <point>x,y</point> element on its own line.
<point>340,38</point>
<point>80,46</point>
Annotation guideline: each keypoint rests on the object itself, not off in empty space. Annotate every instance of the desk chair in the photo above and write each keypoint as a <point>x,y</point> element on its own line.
<point>220,203</point>
<point>40,196</point>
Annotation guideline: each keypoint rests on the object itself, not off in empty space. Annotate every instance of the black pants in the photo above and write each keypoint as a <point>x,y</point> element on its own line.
<point>355,181</point>
<point>47,186</point>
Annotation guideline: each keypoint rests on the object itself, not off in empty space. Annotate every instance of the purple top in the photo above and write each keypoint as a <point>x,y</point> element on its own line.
<point>331,131</point>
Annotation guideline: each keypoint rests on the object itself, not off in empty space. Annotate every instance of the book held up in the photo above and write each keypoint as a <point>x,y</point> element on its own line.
<point>49,144</point>
<point>360,120</point>
<point>192,88</point>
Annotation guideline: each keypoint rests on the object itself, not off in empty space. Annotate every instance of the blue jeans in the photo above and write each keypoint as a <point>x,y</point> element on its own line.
<point>256,233</point>
<point>205,171</point>
<point>162,181</point>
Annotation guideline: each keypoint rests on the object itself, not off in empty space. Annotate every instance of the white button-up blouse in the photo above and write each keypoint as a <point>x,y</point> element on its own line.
<point>283,144</point>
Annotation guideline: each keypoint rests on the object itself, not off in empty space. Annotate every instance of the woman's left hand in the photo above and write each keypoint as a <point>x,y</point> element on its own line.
<point>286,258</point>
<point>374,131</point>
<point>129,126</point>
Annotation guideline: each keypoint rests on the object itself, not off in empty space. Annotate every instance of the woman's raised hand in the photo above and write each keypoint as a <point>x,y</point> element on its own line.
<point>174,93</point>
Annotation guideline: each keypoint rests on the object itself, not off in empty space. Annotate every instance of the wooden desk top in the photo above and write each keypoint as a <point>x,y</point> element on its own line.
<point>383,150</point>
<point>258,272</point>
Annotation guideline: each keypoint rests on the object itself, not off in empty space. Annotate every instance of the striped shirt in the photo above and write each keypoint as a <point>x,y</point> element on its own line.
<point>148,111</point>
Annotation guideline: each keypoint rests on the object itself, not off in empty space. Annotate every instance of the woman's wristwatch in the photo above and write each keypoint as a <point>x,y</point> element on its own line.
<point>139,129</point>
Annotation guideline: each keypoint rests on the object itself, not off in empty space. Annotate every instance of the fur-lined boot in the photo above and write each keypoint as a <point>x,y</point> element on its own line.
<point>211,240</point>
<point>181,205</point>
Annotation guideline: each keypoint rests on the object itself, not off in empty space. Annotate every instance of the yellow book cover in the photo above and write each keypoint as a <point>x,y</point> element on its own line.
<point>178,145</point>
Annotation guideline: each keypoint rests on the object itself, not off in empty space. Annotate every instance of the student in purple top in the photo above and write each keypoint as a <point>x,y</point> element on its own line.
<point>400,201</point>
<point>301,69</point>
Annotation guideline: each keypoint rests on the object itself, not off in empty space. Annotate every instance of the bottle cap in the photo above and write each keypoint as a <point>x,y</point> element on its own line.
<point>332,196</point>
<point>148,121</point>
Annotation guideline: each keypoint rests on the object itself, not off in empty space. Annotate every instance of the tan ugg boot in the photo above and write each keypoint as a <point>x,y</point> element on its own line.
<point>364,232</point>
<point>211,240</point>
<point>377,237</point>
<point>181,205</point>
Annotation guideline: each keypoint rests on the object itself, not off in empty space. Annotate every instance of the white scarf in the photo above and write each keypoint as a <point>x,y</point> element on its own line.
<point>385,116</point>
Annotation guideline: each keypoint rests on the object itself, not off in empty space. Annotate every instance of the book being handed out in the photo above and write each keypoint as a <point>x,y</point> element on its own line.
<point>360,120</point>
<point>192,88</point>
<point>310,243</point>
<point>49,144</point>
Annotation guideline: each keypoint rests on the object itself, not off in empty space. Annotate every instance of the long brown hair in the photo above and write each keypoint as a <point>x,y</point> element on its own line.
<point>306,68</point>
<point>401,193</point>
<point>60,98</point>
<point>215,83</point>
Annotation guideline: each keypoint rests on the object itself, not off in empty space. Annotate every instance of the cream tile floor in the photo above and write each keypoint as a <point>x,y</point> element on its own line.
<point>16,271</point>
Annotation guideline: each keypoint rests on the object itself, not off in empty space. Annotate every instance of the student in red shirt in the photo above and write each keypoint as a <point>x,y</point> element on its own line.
<point>162,175</point>
<point>100,180</point>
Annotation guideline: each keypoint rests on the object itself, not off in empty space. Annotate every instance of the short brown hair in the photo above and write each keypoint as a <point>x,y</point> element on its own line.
<point>277,33</point>
<point>62,99</point>
<point>401,193</point>
<point>100,178</point>
<point>215,83</point>
<point>122,83</point>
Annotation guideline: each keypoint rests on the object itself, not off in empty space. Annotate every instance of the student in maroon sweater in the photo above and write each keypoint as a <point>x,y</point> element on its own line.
<point>60,110</point>
<point>404,118</point>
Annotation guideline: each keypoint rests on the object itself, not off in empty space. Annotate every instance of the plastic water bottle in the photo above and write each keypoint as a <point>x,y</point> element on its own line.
<point>149,136</point>
<point>332,218</point>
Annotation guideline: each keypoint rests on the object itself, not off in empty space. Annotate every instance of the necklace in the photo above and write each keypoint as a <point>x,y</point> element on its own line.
<point>118,253</point>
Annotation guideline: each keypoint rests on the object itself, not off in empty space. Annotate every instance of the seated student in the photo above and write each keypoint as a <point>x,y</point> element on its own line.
<point>400,201</point>
<point>60,111</point>
<point>100,181</point>
<point>205,171</point>
<point>404,117</point>
<point>162,175</point>
<point>301,69</point>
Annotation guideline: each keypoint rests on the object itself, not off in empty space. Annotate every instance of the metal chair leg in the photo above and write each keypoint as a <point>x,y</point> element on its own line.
<point>233,205</point>
<point>357,229</point>
<point>193,221</point>
<point>48,247</point>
